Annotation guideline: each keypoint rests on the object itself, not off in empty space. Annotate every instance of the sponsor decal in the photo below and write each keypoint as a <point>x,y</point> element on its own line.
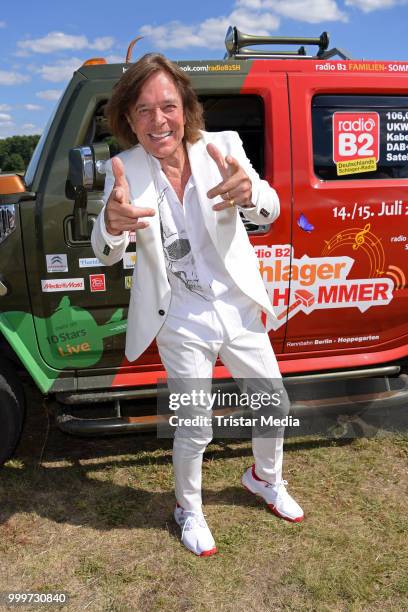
<point>396,208</point>
<point>227,67</point>
<point>97,282</point>
<point>305,224</point>
<point>69,337</point>
<point>339,339</point>
<point>90,262</point>
<point>129,260</point>
<point>396,133</point>
<point>319,283</point>
<point>69,348</point>
<point>351,66</point>
<point>62,284</point>
<point>73,349</point>
<point>356,141</point>
<point>128,282</point>
<point>57,263</point>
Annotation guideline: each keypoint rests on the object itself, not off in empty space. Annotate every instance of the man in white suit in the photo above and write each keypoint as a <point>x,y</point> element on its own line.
<point>196,284</point>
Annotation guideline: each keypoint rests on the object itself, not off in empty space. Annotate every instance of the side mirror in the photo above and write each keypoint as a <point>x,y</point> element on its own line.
<point>86,173</point>
<point>87,166</point>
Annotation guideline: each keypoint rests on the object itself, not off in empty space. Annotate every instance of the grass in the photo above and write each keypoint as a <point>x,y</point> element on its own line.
<point>93,518</point>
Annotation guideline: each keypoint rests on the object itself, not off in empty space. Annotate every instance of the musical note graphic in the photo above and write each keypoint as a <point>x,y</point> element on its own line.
<point>360,237</point>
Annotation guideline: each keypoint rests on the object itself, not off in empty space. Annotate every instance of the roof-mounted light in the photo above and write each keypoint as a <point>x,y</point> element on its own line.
<point>95,61</point>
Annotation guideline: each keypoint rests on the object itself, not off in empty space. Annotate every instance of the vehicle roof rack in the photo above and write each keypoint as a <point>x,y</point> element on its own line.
<point>235,41</point>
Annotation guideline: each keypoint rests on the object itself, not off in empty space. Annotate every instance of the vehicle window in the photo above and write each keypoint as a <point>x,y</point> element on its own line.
<point>98,131</point>
<point>32,166</point>
<point>241,113</point>
<point>244,114</point>
<point>360,137</point>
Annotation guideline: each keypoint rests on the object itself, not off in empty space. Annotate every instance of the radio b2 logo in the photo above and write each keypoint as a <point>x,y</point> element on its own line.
<point>356,136</point>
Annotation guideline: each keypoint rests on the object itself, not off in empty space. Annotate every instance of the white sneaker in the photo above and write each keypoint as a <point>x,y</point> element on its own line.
<point>195,533</point>
<point>277,498</point>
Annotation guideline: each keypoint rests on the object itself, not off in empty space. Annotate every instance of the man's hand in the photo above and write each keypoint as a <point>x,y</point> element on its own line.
<point>120,215</point>
<point>236,186</point>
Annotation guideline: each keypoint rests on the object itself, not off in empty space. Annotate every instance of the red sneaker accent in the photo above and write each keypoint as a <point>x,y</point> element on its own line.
<point>298,519</point>
<point>271,507</point>
<point>255,477</point>
<point>208,553</point>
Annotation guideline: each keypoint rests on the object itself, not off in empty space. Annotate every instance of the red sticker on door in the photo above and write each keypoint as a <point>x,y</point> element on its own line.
<point>97,282</point>
<point>356,137</point>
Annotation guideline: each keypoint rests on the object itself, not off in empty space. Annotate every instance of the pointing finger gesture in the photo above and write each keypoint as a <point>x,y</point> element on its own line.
<point>236,186</point>
<point>120,191</point>
<point>120,214</point>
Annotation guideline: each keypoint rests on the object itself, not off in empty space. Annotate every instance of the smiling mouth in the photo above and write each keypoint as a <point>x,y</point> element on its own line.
<point>160,136</point>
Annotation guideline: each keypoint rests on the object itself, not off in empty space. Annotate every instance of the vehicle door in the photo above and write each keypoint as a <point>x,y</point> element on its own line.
<point>253,101</point>
<point>348,288</point>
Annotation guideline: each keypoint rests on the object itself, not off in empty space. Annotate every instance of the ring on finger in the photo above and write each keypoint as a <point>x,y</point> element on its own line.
<point>232,202</point>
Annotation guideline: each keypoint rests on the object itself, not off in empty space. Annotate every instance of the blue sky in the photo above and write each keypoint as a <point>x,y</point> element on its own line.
<point>42,42</point>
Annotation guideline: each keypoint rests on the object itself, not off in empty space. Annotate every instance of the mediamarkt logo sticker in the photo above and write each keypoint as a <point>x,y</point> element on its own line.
<point>63,284</point>
<point>317,283</point>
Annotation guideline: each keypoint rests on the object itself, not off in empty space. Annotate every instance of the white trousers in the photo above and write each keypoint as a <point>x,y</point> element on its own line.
<point>248,356</point>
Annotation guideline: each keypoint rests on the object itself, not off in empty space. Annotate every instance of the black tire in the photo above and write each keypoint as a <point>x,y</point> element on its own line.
<point>12,410</point>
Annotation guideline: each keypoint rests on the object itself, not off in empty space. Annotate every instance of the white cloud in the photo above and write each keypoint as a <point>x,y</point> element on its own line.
<point>211,32</point>
<point>32,107</point>
<point>259,17</point>
<point>9,128</point>
<point>6,129</point>
<point>12,78</point>
<point>49,94</point>
<point>5,107</point>
<point>58,41</point>
<point>61,71</point>
<point>171,35</point>
<point>310,11</point>
<point>2,24</point>
<point>253,23</point>
<point>373,5</point>
<point>115,59</point>
<point>250,4</point>
<point>5,117</point>
<point>103,43</point>
<point>27,129</point>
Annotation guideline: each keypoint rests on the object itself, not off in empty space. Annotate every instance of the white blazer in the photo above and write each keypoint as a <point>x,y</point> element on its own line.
<point>151,292</point>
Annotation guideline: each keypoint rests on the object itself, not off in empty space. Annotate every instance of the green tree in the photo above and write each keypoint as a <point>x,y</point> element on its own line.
<point>16,152</point>
<point>14,163</point>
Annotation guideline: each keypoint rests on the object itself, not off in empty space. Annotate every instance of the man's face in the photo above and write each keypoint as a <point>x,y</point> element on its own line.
<point>157,117</point>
